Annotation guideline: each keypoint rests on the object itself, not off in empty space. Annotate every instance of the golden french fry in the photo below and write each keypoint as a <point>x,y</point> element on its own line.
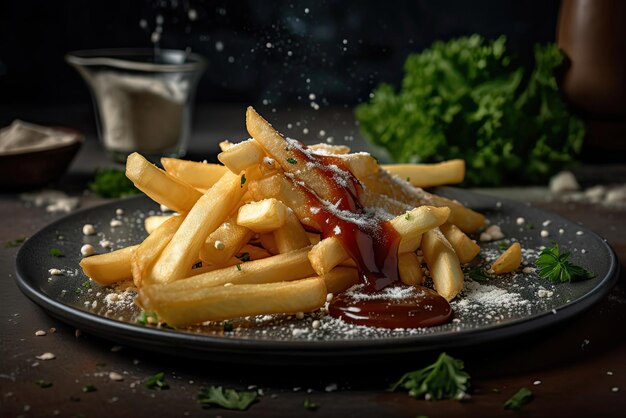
<point>340,279</point>
<point>149,250</point>
<point>269,243</point>
<point>242,156</point>
<point>413,224</point>
<point>224,145</point>
<point>227,302</point>
<point>262,216</point>
<point>330,149</point>
<point>198,175</point>
<point>223,243</point>
<point>429,175</point>
<point>326,255</point>
<point>314,238</point>
<point>204,217</point>
<point>291,236</point>
<point>153,222</point>
<point>464,247</point>
<point>444,266</point>
<point>160,186</point>
<point>253,252</point>
<point>109,268</point>
<point>279,268</point>
<point>509,260</point>
<point>410,269</point>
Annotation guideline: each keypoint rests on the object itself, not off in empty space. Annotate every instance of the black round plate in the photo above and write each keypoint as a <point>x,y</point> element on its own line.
<point>504,307</point>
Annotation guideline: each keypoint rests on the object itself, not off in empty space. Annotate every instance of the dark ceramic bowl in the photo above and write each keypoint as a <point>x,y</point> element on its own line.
<point>32,169</point>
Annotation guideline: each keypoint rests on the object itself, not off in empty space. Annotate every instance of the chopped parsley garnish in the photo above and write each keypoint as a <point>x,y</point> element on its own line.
<point>228,327</point>
<point>43,384</point>
<point>157,382</point>
<point>244,256</point>
<point>503,245</point>
<point>197,265</point>
<point>291,160</point>
<point>530,226</point>
<point>147,318</point>
<point>78,291</point>
<point>89,388</point>
<point>238,266</point>
<point>56,252</point>
<point>443,379</point>
<point>523,396</point>
<point>407,216</point>
<point>243,179</point>
<point>86,284</point>
<point>408,179</point>
<point>226,398</point>
<point>478,274</point>
<point>14,242</point>
<point>554,266</point>
<point>110,183</point>
<point>310,405</point>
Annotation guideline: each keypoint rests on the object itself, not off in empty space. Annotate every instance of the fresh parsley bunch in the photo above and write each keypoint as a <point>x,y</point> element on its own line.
<point>556,267</point>
<point>466,99</point>
<point>444,379</point>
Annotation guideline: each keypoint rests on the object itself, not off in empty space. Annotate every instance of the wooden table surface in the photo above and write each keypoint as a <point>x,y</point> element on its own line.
<point>580,364</point>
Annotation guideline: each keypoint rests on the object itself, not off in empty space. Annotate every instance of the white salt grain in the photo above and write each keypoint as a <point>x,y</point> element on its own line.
<point>46,356</point>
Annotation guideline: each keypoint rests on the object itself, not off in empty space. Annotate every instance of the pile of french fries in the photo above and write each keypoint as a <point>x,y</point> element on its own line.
<point>242,241</point>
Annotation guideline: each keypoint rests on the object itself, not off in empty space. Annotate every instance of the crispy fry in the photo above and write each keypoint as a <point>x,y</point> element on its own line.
<point>464,247</point>
<point>205,217</point>
<point>413,224</point>
<point>291,236</point>
<point>330,149</point>
<point>160,186</point>
<point>410,269</point>
<point>509,260</point>
<point>226,302</point>
<point>443,264</point>
<point>326,255</point>
<point>198,175</point>
<point>223,243</point>
<point>109,268</point>
<point>269,243</point>
<point>241,156</point>
<point>153,222</point>
<point>340,279</point>
<point>263,216</point>
<point>254,252</point>
<point>429,175</point>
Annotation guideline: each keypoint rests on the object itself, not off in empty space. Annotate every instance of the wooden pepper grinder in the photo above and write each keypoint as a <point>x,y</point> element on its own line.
<point>592,33</point>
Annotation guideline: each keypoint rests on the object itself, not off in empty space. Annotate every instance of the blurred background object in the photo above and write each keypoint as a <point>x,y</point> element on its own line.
<point>593,35</point>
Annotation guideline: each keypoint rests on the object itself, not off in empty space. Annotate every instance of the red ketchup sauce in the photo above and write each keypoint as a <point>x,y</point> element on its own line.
<point>373,244</point>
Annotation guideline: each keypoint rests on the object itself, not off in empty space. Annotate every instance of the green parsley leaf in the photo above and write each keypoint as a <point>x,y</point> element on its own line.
<point>89,388</point>
<point>157,382</point>
<point>407,216</point>
<point>523,396</point>
<point>56,252</point>
<point>86,284</point>
<point>243,179</point>
<point>310,405</point>
<point>503,245</point>
<point>443,379</point>
<point>478,274</point>
<point>14,242</point>
<point>43,384</point>
<point>226,398</point>
<point>243,256</point>
<point>228,327</point>
<point>408,179</point>
<point>554,266</point>
<point>530,226</point>
<point>111,182</point>
<point>291,160</point>
<point>147,318</point>
<point>238,266</point>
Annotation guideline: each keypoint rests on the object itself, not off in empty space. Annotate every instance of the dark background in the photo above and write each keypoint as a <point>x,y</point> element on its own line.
<point>343,48</point>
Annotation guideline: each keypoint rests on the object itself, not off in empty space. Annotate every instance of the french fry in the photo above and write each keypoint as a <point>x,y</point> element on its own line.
<point>149,250</point>
<point>269,243</point>
<point>153,222</point>
<point>429,175</point>
<point>279,268</point>
<point>413,224</point>
<point>464,247</point>
<point>330,149</point>
<point>227,302</point>
<point>291,236</point>
<point>444,266</point>
<point>509,260</point>
<point>254,252</point>
<point>410,269</point>
<point>262,216</point>
<point>198,175</point>
<point>109,268</point>
<point>326,255</point>
<point>242,156</point>
<point>340,279</point>
<point>204,217</point>
<point>160,186</point>
<point>226,241</point>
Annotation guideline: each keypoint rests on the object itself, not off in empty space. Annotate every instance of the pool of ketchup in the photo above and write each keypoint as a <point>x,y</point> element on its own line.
<point>373,244</point>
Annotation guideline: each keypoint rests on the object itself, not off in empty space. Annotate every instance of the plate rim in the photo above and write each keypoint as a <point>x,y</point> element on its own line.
<point>134,333</point>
